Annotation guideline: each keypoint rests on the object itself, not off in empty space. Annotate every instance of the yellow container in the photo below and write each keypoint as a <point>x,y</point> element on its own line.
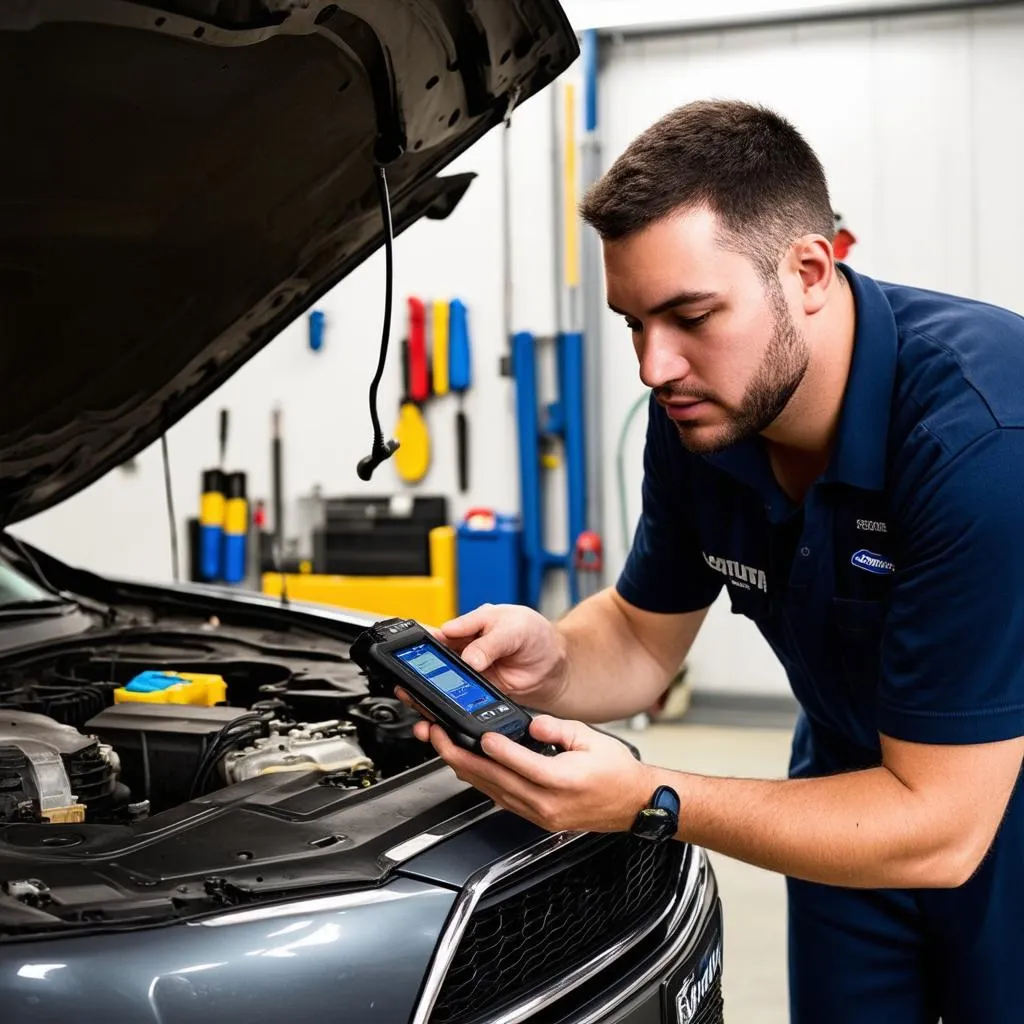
<point>195,688</point>
<point>211,508</point>
<point>236,515</point>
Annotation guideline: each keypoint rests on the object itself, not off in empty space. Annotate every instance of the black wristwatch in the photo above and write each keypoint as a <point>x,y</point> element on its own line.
<point>659,820</point>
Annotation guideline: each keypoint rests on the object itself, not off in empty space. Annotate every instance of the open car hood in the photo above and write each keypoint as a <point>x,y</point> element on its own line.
<point>183,179</point>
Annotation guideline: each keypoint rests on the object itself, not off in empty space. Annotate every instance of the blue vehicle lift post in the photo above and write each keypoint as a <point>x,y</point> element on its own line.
<point>563,419</point>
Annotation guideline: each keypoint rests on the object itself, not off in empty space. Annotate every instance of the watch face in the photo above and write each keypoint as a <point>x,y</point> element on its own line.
<point>655,823</point>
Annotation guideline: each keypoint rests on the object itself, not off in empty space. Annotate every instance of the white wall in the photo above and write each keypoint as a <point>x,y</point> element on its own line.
<point>915,120</point>
<point>645,15</point>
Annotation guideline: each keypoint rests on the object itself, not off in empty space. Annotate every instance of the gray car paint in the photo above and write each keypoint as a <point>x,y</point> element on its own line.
<point>355,957</point>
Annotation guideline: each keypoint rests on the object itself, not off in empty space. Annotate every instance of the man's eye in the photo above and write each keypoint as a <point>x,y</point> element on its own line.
<point>689,322</point>
<point>633,325</point>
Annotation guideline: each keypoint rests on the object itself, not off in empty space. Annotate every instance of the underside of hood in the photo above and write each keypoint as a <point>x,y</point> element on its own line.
<point>181,180</point>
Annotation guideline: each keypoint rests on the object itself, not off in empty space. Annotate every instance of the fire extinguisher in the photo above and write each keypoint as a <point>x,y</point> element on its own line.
<point>843,239</point>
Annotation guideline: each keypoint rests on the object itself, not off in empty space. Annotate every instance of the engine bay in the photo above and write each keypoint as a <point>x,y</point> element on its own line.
<point>117,730</point>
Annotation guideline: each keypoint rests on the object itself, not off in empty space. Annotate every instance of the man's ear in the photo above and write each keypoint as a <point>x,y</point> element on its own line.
<point>811,257</point>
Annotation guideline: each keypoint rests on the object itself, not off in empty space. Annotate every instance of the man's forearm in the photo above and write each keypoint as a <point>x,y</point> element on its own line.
<point>861,829</point>
<point>609,672</point>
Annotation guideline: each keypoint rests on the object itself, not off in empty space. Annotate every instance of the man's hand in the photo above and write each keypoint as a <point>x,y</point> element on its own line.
<point>515,647</point>
<point>604,661</point>
<point>594,785</point>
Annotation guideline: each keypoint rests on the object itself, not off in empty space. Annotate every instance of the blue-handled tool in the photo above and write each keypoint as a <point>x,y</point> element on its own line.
<point>459,364</point>
<point>460,371</point>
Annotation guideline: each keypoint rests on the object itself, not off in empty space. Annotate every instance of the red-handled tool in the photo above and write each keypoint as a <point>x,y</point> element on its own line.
<point>413,456</point>
<point>419,372</point>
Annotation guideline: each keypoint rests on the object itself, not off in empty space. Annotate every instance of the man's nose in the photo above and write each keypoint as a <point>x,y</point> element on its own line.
<point>661,361</point>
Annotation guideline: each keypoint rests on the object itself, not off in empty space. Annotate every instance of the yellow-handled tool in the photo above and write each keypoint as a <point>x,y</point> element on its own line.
<point>440,349</point>
<point>412,460</point>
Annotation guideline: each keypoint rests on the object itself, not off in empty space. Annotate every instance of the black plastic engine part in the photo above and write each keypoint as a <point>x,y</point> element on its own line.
<point>96,786</point>
<point>161,745</point>
<point>384,727</point>
<point>70,702</point>
<point>18,795</point>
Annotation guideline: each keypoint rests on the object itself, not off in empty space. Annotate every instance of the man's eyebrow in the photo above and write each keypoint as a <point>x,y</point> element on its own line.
<point>682,299</point>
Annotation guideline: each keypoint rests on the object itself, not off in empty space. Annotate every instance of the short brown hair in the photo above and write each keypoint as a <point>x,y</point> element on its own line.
<point>747,164</point>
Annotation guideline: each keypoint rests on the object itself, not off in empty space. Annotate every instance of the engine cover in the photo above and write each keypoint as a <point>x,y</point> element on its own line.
<point>51,772</point>
<point>324,746</point>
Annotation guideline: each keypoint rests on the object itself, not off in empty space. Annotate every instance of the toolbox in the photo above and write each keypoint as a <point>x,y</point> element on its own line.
<point>376,536</point>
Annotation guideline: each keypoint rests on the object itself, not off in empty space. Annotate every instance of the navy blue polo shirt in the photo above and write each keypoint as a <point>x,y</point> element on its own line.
<point>894,593</point>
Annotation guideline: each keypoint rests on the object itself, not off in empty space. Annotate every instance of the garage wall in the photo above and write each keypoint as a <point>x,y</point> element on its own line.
<point>915,120</point>
<point>632,16</point>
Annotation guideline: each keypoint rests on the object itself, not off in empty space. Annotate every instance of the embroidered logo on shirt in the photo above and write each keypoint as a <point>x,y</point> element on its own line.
<point>871,562</point>
<point>872,526</point>
<point>745,576</point>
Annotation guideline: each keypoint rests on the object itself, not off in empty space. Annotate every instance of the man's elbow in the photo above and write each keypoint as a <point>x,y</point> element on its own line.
<point>956,862</point>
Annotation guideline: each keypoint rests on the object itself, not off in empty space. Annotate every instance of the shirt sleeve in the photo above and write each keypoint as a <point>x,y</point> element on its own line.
<point>953,641</point>
<point>665,569</point>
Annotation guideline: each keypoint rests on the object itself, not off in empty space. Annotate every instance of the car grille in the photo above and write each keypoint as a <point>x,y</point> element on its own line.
<point>532,931</point>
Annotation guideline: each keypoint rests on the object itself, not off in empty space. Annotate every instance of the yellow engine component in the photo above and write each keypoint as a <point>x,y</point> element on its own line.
<point>195,688</point>
<point>73,814</point>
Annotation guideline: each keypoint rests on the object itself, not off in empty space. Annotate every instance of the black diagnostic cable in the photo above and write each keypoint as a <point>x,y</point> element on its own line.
<point>171,519</point>
<point>381,450</point>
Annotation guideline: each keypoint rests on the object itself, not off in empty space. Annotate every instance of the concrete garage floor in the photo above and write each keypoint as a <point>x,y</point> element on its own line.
<point>753,901</point>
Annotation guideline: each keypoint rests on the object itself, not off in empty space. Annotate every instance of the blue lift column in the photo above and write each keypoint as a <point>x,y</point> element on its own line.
<point>571,371</point>
<point>564,419</point>
<point>524,373</point>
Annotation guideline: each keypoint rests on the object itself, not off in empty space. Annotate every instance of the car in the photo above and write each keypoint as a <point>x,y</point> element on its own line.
<point>181,180</point>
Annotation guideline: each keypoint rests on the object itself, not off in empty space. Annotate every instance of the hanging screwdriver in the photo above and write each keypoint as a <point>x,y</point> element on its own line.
<point>439,347</point>
<point>223,436</point>
<point>460,374</point>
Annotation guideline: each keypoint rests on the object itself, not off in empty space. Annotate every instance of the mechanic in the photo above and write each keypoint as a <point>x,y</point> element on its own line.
<point>846,458</point>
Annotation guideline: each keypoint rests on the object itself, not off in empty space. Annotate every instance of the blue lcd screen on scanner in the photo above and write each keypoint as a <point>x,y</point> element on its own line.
<point>430,663</point>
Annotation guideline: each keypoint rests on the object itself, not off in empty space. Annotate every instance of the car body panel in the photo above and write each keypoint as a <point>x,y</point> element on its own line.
<point>326,958</point>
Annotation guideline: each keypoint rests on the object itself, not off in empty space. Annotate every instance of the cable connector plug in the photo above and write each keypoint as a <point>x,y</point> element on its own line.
<point>381,452</point>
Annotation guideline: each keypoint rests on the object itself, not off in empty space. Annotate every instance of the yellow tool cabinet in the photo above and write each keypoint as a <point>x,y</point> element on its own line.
<point>429,599</point>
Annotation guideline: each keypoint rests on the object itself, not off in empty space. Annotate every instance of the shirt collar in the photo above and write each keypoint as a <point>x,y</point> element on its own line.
<point>859,456</point>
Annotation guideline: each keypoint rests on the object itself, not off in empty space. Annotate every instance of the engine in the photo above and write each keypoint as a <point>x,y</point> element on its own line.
<point>100,737</point>
<point>52,773</point>
<point>324,747</point>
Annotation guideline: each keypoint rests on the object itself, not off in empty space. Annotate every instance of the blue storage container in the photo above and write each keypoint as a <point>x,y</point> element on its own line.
<point>489,560</point>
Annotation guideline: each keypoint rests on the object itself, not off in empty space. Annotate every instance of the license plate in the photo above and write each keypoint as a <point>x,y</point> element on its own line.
<point>694,989</point>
